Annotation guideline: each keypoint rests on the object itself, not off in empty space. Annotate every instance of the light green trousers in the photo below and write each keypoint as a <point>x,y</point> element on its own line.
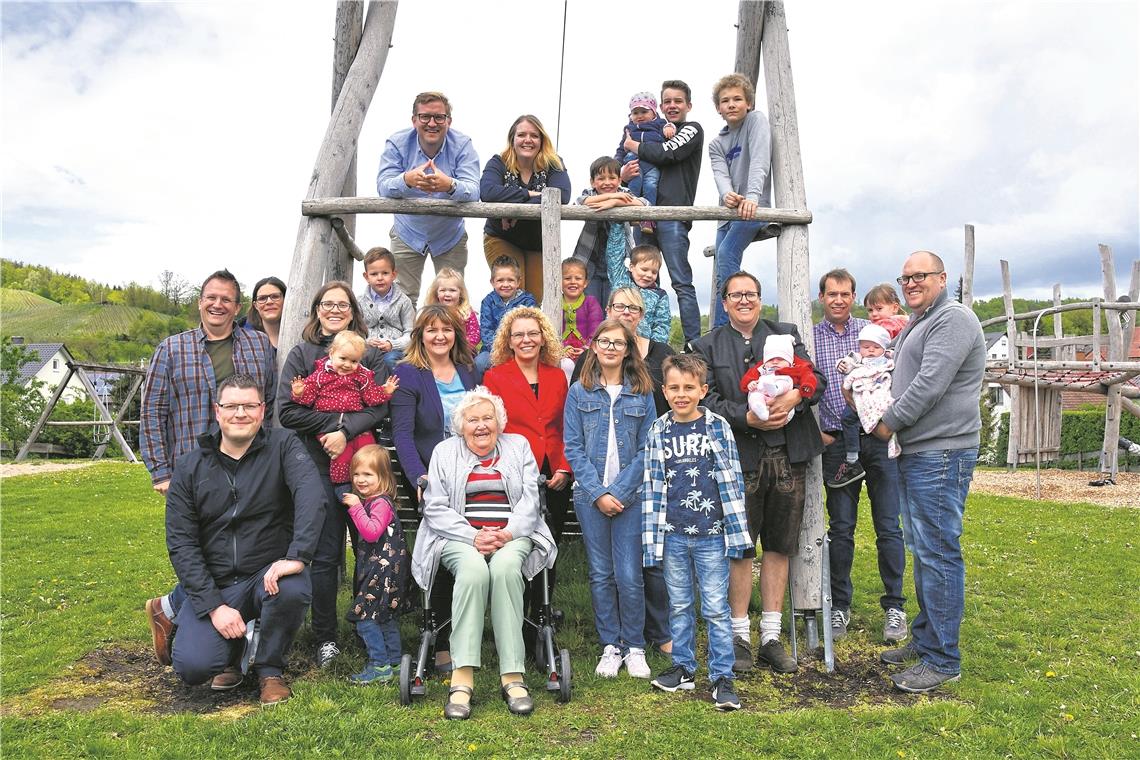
<point>474,577</point>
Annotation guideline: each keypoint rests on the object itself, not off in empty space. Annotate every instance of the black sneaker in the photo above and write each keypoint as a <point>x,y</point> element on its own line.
<point>327,651</point>
<point>675,678</point>
<point>723,696</point>
<point>900,656</point>
<point>742,654</point>
<point>848,472</point>
<point>774,656</point>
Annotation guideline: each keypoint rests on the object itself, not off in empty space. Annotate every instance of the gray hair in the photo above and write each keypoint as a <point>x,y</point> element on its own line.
<point>474,397</point>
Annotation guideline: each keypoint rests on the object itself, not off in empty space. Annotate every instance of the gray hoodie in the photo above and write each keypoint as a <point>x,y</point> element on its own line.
<point>742,160</point>
<point>940,358</point>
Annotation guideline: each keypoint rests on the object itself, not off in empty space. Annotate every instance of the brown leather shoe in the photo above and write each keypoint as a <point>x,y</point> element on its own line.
<point>161,630</point>
<point>230,678</point>
<point>273,690</point>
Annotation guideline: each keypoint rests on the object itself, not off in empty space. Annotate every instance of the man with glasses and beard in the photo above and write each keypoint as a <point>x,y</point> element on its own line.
<point>773,457</point>
<point>428,160</point>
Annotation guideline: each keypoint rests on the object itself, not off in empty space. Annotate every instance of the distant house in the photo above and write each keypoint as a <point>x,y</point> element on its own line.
<point>49,365</point>
<point>997,349</point>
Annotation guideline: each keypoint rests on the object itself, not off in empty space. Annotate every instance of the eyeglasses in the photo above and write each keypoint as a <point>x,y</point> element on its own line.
<point>917,277</point>
<point>532,335</point>
<point>428,118</point>
<point>622,308</point>
<point>234,409</point>
<point>335,305</point>
<point>268,298</point>
<point>742,295</point>
<point>610,345</point>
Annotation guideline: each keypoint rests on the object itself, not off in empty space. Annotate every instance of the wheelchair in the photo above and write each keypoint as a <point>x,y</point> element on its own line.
<point>552,662</point>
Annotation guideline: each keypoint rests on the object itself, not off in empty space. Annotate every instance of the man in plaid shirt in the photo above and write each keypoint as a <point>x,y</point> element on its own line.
<point>181,383</point>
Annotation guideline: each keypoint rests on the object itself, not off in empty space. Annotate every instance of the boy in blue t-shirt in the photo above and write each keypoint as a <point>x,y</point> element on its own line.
<point>693,520</point>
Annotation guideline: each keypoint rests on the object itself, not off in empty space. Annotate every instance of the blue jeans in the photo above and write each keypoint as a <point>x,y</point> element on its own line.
<point>645,184</point>
<point>852,429</point>
<point>843,513</point>
<point>699,563</point>
<point>391,357</point>
<point>933,488</point>
<point>731,240</point>
<point>482,362</point>
<point>613,557</point>
<point>673,240</point>
<point>381,640</point>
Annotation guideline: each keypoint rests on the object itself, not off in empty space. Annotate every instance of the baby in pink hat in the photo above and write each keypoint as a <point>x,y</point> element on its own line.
<point>645,125</point>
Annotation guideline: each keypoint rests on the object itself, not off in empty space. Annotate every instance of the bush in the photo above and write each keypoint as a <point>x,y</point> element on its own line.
<point>79,442</point>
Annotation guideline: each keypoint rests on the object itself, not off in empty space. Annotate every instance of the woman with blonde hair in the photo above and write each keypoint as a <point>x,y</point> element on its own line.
<point>527,166</point>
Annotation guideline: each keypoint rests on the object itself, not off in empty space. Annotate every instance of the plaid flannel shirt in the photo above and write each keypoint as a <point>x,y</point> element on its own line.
<point>178,396</point>
<point>830,347</point>
<point>729,482</point>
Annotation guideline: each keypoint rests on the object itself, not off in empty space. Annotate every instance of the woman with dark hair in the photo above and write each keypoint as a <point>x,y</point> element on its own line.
<point>325,434</point>
<point>527,166</point>
<point>267,302</point>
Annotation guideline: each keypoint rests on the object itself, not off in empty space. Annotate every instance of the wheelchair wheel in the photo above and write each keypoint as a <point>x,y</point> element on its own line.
<point>564,676</point>
<point>406,673</point>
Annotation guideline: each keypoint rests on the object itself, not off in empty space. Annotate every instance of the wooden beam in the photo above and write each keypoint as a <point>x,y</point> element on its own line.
<point>968,269</point>
<point>311,266</point>
<point>321,207</point>
<point>552,257</point>
<point>749,32</point>
<point>1010,324</point>
<point>346,41</point>
<point>340,227</point>
<point>1058,327</point>
<point>1090,304</point>
<point>1116,353</point>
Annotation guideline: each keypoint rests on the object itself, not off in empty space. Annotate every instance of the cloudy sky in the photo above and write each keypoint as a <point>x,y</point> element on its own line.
<point>137,138</point>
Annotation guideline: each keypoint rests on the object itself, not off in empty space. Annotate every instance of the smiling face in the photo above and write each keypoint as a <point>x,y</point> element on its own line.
<point>684,391</point>
<point>611,349</point>
<point>333,320</point>
<point>365,481</point>
<point>431,134</point>
<point>644,273</point>
<point>625,309</point>
<point>745,312</point>
<point>448,292</point>
<point>920,295</point>
<point>527,142</point>
<point>573,283</point>
<point>732,105</point>
<point>505,282</point>
<point>344,360</point>
<point>268,301</point>
<point>218,306</point>
<point>239,426</point>
<point>526,339</point>
<point>380,275</point>
<point>605,181</point>
<point>641,115</point>
<point>837,298</point>
<point>439,338</point>
<point>480,429</point>
<point>674,105</point>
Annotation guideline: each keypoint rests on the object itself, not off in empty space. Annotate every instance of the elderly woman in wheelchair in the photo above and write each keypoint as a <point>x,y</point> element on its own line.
<point>482,521</point>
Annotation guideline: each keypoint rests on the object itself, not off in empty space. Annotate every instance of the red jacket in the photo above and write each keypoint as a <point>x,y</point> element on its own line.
<point>802,374</point>
<point>539,420</point>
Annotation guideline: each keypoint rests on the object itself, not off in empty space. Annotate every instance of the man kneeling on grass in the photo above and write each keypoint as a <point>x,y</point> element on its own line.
<point>243,515</point>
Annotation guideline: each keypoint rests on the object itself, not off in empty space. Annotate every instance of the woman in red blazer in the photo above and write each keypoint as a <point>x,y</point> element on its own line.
<point>527,376</point>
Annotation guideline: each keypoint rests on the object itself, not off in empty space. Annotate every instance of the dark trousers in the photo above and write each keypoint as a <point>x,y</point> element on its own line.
<point>326,564</point>
<point>843,512</point>
<point>656,606</point>
<point>200,652</point>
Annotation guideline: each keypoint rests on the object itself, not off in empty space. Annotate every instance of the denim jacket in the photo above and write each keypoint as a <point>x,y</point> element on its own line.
<point>586,431</point>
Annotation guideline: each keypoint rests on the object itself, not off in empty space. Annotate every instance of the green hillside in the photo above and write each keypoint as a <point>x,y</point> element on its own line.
<point>58,321</point>
<point>15,300</point>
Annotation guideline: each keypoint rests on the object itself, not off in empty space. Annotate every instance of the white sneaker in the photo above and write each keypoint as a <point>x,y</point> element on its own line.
<point>636,665</point>
<point>610,663</point>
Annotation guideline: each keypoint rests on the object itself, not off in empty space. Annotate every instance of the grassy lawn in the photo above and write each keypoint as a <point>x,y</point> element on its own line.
<point>1051,642</point>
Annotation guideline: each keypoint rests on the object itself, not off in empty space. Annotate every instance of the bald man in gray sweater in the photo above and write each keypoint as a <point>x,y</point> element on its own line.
<point>940,359</point>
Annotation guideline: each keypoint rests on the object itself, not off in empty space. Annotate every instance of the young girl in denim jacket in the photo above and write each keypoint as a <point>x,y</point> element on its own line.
<point>608,415</point>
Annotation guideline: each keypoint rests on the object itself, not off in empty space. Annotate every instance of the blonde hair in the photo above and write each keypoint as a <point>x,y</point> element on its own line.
<point>547,157</point>
<point>416,355</point>
<point>633,294</point>
<point>447,273</point>
<point>348,340</point>
<point>376,459</point>
<point>551,351</point>
<point>735,80</point>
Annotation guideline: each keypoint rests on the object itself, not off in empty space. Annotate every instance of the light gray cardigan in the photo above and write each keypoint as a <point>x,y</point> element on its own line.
<point>446,497</point>
<point>392,321</point>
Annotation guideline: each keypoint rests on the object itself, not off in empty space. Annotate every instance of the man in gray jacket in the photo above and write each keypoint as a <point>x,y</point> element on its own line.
<point>940,358</point>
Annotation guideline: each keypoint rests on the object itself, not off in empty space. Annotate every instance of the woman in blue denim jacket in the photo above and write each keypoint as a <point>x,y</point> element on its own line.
<point>608,415</point>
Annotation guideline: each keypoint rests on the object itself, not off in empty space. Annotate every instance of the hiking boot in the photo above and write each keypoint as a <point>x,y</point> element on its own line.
<point>894,629</point>
<point>839,621</point>
<point>273,690</point>
<point>769,230</point>
<point>327,651</point>
<point>900,656</point>
<point>723,696</point>
<point>230,678</point>
<point>774,656</point>
<point>742,652</point>
<point>848,472</point>
<point>161,630</point>
<point>921,678</point>
<point>636,665</point>
<point>373,672</point>
<point>610,662</point>
<point>674,679</point>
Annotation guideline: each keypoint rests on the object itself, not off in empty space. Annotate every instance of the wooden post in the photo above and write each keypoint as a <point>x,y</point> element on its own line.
<point>968,269</point>
<point>552,257</point>
<point>749,31</point>
<point>349,29</point>
<point>105,413</point>
<point>1116,352</point>
<point>1010,324</point>
<point>311,266</point>
<point>1058,328</point>
<point>122,412</point>
<point>39,426</point>
<point>793,276</point>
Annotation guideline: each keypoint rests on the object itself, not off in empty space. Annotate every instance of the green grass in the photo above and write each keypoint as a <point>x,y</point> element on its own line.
<point>54,321</point>
<point>1050,641</point>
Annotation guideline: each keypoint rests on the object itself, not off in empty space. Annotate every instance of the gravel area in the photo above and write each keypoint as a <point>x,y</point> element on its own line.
<point>38,468</point>
<point>1069,486</point>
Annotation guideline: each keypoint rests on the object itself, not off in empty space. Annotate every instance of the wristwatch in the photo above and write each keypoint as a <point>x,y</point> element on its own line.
<point>421,482</point>
<point>453,188</point>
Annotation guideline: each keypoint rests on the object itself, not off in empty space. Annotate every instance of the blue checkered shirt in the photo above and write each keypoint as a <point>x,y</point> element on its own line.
<point>830,347</point>
<point>729,481</point>
<point>178,396</point>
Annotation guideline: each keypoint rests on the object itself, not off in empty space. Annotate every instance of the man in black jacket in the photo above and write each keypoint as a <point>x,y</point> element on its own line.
<point>243,515</point>
<point>773,458</point>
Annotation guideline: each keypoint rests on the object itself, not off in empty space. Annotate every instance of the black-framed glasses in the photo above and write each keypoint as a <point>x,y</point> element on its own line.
<point>622,308</point>
<point>268,298</point>
<point>742,295</point>
<point>335,305</point>
<point>610,345</point>
<point>232,409</point>
<point>917,277</point>
<point>428,118</point>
